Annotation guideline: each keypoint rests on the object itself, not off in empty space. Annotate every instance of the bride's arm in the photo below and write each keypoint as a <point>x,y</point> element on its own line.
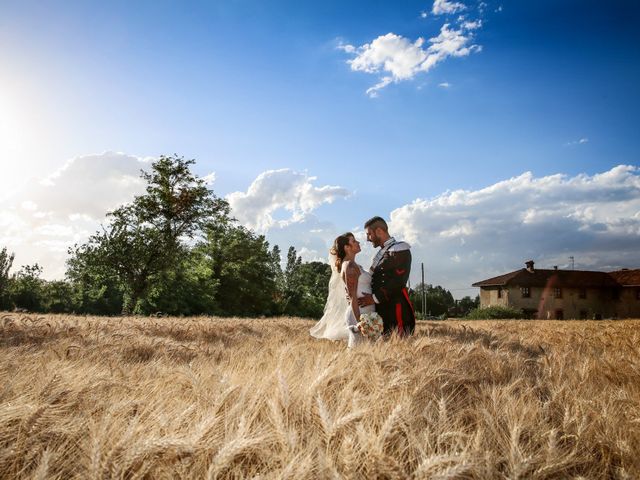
<point>351,275</point>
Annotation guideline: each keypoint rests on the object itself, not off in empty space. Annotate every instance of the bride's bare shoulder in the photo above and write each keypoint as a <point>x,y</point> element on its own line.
<point>350,268</point>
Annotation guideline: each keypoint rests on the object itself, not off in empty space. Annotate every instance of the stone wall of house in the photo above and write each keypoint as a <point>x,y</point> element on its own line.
<point>628,306</point>
<point>489,297</point>
<point>599,303</point>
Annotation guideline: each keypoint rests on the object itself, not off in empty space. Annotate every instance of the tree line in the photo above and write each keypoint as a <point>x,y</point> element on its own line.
<point>440,302</point>
<point>176,250</point>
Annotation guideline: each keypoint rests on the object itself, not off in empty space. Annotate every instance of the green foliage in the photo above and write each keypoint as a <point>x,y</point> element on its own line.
<point>173,250</point>
<point>305,286</point>
<point>244,268</point>
<point>27,288</point>
<point>58,297</point>
<point>96,287</point>
<point>6,261</point>
<point>187,289</point>
<point>439,300</point>
<point>494,312</point>
<point>315,285</point>
<point>147,238</point>
<point>463,306</point>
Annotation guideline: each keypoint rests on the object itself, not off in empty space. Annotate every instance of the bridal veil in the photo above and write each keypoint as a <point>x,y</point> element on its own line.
<point>332,325</point>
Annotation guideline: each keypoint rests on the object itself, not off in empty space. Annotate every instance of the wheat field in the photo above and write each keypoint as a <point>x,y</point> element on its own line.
<point>134,398</point>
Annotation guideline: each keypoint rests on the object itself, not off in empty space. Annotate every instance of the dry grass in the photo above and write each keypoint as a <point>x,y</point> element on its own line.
<point>135,398</point>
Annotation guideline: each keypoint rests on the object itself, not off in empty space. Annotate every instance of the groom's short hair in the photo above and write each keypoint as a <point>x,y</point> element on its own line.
<point>376,222</point>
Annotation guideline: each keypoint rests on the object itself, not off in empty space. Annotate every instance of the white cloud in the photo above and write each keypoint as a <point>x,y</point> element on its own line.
<point>90,184</point>
<point>41,222</point>
<point>472,25</point>
<point>209,179</point>
<point>281,190</point>
<point>444,85</point>
<point>443,7</point>
<point>397,58</point>
<point>594,218</point>
<point>582,141</point>
<point>345,47</point>
<point>45,218</point>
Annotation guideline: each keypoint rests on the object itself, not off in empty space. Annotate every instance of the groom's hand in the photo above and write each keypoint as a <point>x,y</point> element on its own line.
<point>366,300</point>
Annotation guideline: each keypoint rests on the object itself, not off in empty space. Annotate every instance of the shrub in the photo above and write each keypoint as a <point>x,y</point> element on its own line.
<point>495,312</point>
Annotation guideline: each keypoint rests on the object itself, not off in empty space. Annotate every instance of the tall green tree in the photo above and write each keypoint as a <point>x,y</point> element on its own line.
<point>27,288</point>
<point>187,289</point>
<point>6,261</point>
<point>439,300</point>
<point>148,237</point>
<point>244,268</point>
<point>315,280</point>
<point>97,289</point>
<point>305,286</point>
<point>58,297</point>
<point>292,285</point>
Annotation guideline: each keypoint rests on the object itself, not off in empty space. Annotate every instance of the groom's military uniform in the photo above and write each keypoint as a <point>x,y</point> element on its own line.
<point>390,272</point>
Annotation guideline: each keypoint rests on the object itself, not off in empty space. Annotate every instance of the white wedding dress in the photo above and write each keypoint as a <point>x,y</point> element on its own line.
<point>338,314</point>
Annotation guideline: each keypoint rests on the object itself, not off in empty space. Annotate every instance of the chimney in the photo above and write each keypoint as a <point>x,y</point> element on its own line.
<point>529,265</point>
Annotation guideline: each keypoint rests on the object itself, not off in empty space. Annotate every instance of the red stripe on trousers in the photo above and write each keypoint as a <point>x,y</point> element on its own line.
<point>406,295</point>
<point>399,317</point>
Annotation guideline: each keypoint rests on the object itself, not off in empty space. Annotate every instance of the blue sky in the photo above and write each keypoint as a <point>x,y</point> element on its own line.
<point>248,87</point>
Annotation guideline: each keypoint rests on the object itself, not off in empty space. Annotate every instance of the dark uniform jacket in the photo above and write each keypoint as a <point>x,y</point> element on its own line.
<point>390,273</point>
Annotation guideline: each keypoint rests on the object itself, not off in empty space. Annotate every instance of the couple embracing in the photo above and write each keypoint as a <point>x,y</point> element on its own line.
<point>379,293</point>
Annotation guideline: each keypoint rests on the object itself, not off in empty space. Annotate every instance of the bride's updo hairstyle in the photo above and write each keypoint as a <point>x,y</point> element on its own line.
<point>338,248</point>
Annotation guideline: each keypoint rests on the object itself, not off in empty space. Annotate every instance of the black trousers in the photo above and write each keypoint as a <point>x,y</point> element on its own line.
<point>397,314</point>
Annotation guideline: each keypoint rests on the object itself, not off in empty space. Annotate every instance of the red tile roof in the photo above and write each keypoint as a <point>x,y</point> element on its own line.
<point>555,278</point>
<point>627,277</point>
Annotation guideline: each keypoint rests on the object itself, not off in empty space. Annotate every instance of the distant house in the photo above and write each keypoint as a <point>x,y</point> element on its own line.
<point>564,294</point>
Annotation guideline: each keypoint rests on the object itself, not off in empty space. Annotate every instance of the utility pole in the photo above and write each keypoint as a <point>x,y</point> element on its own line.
<point>424,294</point>
<point>572,262</point>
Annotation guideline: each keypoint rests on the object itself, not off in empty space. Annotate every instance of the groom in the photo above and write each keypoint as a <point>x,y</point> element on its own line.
<point>390,271</point>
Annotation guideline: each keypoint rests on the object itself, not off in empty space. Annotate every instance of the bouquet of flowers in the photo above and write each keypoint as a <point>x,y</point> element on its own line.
<point>370,325</point>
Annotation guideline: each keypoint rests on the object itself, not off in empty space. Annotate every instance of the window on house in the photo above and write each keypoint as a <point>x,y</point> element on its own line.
<point>525,292</point>
<point>615,294</point>
<point>499,293</point>
<point>582,293</point>
<point>557,292</point>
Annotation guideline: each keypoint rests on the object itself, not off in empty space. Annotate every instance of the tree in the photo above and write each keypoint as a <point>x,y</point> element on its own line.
<point>6,261</point>
<point>148,237</point>
<point>244,269</point>
<point>58,297</point>
<point>466,304</point>
<point>27,288</point>
<point>292,289</point>
<point>439,300</point>
<point>187,289</point>
<point>315,283</point>
<point>97,289</point>
<point>305,286</point>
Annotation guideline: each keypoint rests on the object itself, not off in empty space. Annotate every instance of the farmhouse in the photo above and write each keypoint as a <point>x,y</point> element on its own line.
<point>560,294</point>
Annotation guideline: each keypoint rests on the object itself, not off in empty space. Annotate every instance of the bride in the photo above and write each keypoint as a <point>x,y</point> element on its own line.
<point>348,282</point>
